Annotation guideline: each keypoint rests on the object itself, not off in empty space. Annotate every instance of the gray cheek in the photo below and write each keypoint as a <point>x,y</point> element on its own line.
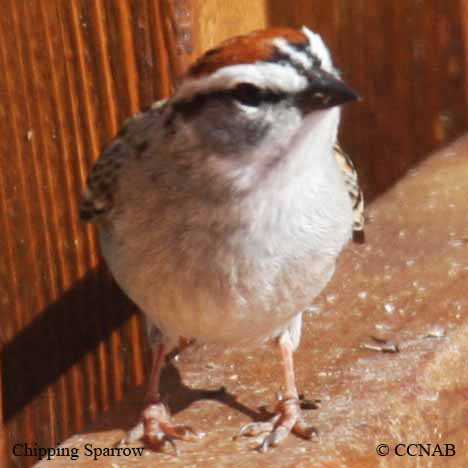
<point>229,132</point>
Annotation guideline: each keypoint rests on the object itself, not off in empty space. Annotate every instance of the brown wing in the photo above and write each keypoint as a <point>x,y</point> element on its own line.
<point>98,195</point>
<point>354,190</point>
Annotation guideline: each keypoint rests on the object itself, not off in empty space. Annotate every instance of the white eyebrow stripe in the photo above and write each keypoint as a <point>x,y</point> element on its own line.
<point>273,76</point>
<point>296,56</point>
<point>319,49</point>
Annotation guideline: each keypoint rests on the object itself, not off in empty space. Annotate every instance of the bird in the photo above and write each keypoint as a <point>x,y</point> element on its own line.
<point>221,210</point>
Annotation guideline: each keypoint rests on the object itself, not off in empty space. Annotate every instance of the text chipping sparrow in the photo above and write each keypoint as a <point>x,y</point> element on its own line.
<point>221,210</point>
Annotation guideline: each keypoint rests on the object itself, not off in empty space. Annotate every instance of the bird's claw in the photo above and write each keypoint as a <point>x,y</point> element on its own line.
<point>155,429</point>
<point>287,419</point>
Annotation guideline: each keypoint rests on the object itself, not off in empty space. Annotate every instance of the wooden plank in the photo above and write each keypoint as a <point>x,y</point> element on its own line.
<point>406,286</point>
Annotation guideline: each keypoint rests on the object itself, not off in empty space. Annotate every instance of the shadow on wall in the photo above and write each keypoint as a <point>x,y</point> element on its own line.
<point>64,332</point>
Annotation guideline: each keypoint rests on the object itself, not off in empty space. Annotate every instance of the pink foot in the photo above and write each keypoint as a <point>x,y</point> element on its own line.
<point>155,428</point>
<point>287,419</point>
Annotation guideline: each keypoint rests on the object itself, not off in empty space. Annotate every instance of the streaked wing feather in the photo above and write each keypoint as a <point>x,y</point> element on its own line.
<point>98,195</point>
<point>354,190</point>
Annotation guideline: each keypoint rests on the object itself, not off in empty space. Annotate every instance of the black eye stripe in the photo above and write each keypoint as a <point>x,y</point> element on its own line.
<point>251,95</point>
<point>243,93</point>
<point>247,94</point>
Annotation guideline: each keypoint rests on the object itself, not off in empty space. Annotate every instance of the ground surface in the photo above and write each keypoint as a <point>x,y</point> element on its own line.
<point>407,285</point>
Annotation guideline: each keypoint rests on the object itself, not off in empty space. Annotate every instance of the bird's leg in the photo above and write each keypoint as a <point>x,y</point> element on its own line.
<point>155,426</point>
<point>287,416</point>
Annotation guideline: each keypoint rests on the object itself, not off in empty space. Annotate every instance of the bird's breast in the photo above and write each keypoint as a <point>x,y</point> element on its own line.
<point>234,273</point>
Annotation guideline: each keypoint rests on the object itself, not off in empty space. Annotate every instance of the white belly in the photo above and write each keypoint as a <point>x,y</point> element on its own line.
<point>241,286</point>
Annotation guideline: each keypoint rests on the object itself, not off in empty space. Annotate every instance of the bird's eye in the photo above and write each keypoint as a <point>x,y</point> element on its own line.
<point>247,94</point>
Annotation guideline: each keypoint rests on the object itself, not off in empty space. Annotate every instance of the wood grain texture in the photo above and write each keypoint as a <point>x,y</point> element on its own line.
<point>217,21</point>
<point>180,34</point>
<point>71,343</point>
<point>4,446</point>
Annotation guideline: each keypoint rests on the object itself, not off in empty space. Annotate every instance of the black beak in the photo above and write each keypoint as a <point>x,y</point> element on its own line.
<point>325,90</point>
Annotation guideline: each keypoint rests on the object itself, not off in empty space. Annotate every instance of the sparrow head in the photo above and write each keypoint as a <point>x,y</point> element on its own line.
<point>241,109</point>
<point>258,86</point>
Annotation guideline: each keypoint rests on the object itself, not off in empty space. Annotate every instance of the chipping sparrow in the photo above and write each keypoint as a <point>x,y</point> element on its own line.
<point>221,211</point>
